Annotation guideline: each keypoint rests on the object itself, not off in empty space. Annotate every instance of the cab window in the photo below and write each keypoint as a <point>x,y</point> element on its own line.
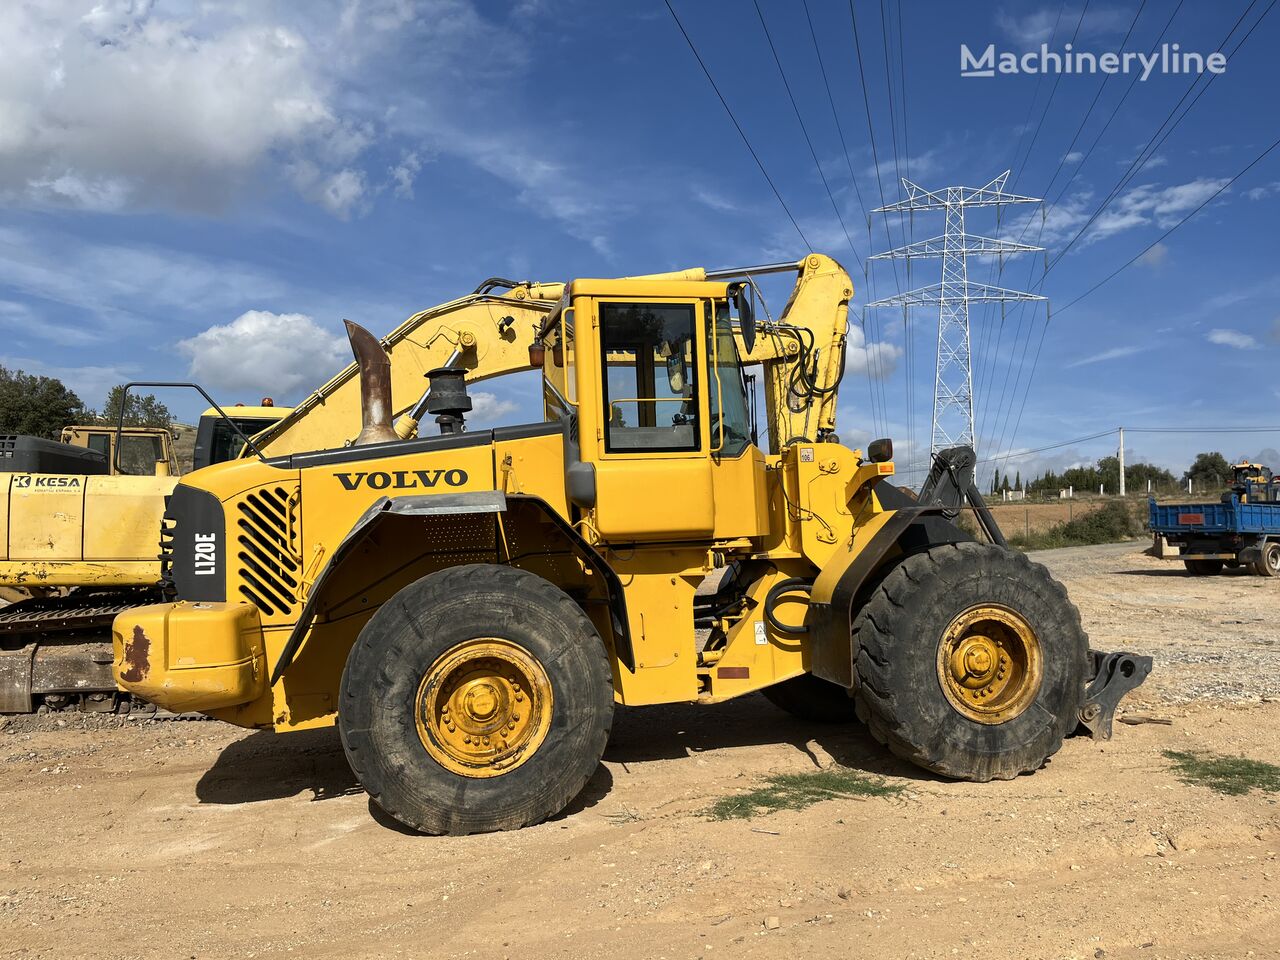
<point>726,393</point>
<point>139,454</point>
<point>649,352</point>
<point>101,442</point>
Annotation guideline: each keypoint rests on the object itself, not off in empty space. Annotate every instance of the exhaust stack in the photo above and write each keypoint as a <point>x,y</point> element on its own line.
<point>375,386</point>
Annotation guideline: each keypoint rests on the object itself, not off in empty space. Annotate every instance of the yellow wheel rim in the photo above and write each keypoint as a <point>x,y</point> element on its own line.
<point>484,707</point>
<point>989,663</point>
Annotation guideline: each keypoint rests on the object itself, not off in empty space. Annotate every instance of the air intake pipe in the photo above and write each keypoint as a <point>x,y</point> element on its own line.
<point>375,386</point>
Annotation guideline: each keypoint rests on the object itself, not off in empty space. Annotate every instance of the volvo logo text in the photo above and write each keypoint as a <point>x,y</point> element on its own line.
<point>403,479</point>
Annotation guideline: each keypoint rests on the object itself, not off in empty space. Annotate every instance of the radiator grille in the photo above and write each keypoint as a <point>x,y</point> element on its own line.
<point>269,564</point>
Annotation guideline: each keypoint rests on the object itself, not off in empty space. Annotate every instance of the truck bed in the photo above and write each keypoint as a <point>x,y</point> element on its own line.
<point>1228,516</point>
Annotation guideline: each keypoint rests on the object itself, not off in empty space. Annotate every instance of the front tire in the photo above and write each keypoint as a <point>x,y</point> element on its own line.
<point>478,698</point>
<point>971,662</point>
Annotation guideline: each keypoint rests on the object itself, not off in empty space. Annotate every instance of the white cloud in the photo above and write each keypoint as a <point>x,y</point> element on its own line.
<point>1155,256</point>
<point>1262,192</point>
<point>714,200</point>
<point>1232,338</point>
<point>1115,353</point>
<point>403,174</point>
<point>489,407</point>
<point>264,353</point>
<point>1141,206</point>
<point>1037,27</point>
<point>876,359</point>
<point>114,105</point>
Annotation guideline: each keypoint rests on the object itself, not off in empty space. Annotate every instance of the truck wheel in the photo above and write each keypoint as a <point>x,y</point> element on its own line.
<point>1203,568</point>
<point>1268,565</point>
<point>971,662</point>
<point>478,698</point>
<point>813,699</point>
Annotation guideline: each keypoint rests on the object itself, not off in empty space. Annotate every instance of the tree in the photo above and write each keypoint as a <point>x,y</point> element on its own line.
<point>140,410</point>
<point>995,481</point>
<point>1209,470</point>
<point>1017,483</point>
<point>35,405</point>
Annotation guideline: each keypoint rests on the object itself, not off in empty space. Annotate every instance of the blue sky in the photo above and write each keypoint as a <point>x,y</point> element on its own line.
<point>200,190</point>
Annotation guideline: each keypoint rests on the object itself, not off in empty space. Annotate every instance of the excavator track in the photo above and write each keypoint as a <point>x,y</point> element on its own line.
<point>55,654</point>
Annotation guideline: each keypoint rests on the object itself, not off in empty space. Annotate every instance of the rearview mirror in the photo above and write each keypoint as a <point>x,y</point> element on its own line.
<point>746,317</point>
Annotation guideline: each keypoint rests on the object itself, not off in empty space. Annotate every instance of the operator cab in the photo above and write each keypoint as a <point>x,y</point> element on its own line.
<point>217,439</point>
<point>661,408</point>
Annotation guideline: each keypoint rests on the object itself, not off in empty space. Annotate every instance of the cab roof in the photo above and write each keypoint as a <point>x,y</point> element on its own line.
<point>260,413</point>
<point>648,288</point>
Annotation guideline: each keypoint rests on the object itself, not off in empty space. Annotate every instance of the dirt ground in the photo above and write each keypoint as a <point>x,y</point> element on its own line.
<point>194,839</point>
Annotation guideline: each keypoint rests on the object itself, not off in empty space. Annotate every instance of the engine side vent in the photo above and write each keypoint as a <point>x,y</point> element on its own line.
<point>269,562</point>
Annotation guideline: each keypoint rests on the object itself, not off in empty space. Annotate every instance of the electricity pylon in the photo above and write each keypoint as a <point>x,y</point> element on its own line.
<point>953,376</point>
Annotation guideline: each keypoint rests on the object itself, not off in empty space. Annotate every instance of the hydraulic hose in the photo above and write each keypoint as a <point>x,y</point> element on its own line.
<point>776,592</point>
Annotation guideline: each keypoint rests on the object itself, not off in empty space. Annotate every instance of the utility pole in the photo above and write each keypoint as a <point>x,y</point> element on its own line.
<point>1121,429</point>
<point>953,374</point>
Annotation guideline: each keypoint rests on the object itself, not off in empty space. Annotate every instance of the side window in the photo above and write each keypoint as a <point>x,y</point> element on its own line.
<point>101,442</point>
<point>138,454</point>
<point>651,385</point>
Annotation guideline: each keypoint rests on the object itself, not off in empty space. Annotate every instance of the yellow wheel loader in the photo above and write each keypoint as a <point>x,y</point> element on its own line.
<point>469,607</point>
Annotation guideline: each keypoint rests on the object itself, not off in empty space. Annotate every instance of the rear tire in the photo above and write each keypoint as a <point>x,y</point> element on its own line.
<point>477,638</point>
<point>919,623</point>
<point>1204,568</point>
<point>1268,565</point>
<point>813,699</point>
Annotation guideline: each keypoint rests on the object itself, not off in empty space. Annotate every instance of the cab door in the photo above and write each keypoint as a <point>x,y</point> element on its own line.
<point>651,449</point>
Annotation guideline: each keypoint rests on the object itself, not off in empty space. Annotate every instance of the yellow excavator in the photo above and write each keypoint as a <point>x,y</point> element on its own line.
<point>468,607</point>
<point>79,518</point>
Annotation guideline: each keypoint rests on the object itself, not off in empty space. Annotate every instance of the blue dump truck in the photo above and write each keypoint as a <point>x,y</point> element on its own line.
<point>1242,530</point>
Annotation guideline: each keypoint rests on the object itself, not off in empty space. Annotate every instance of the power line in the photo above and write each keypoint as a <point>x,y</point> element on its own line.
<point>875,159</point>
<point>1217,193</point>
<point>1088,113</point>
<point>844,146</point>
<point>1130,263</point>
<point>1049,103</point>
<point>1053,204</point>
<point>1124,181</point>
<point>737,126</point>
<point>1116,109</point>
<point>1147,150</point>
<point>805,130</point>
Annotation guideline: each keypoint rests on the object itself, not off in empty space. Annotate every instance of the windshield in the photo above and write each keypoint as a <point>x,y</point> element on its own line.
<point>730,420</point>
<point>227,443</point>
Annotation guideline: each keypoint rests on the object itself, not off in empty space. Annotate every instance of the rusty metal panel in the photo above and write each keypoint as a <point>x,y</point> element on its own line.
<point>15,679</point>
<point>75,668</point>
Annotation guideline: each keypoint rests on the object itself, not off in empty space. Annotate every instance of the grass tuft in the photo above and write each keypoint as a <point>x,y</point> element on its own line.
<point>1231,775</point>
<point>795,791</point>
